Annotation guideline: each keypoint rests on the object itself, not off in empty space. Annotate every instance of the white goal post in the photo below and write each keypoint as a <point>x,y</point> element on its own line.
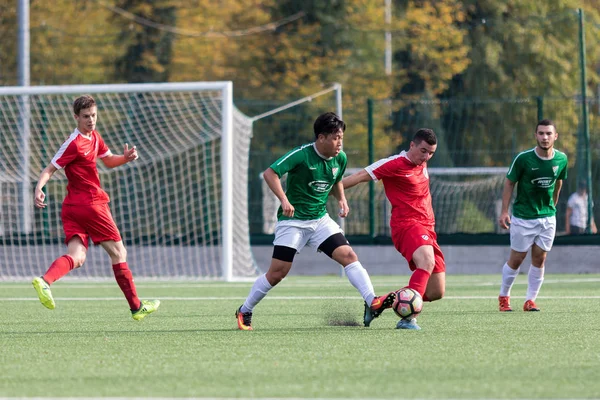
<point>181,208</point>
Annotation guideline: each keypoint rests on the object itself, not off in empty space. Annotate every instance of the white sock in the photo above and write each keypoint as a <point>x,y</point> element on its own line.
<point>508,278</point>
<point>534,282</point>
<point>259,290</point>
<point>359,278</point>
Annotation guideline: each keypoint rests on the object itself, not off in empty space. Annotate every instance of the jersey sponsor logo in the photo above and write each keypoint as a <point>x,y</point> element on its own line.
<point>555,169</point>
<point>425,237</point>
<point>335,171</point>
<point>320,186</point>
<point>543,182</point>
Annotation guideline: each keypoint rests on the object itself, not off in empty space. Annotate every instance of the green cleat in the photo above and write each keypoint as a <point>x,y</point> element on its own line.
<point>44,293</point>
<point>148,307</point>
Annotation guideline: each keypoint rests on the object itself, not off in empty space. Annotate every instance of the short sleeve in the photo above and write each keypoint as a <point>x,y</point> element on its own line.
<point>288,162</point>
<point>515,170</point>
<point>65,155</point>
<point>103,150</point>
<point>383,168</point>
<point>563,172</point>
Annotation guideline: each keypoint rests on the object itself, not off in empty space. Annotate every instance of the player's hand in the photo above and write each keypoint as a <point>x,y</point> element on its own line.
<point>344,209</point>
<point>504,220</point>
<point>288,208</point>
<point>40,196</point>
<point>130,154</point>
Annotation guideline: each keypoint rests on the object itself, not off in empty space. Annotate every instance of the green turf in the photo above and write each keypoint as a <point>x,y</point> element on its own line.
<point>300,347</point>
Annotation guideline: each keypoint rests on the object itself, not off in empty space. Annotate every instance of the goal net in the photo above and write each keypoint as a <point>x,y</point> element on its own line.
<point>465,200</point>
<point>181,207</point>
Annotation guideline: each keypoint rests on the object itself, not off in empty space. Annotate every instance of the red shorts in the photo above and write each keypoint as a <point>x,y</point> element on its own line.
<point>91,221</point>
<point>410,237</point>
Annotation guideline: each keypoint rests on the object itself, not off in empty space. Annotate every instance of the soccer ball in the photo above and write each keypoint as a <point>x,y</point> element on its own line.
<point>408,303</point>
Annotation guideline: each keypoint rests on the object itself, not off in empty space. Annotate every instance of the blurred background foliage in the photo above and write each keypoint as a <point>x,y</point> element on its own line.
<point>474,70</point>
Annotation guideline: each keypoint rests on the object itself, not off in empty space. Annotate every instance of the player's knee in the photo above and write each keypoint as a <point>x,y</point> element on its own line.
<point>344,255</point>
<point>437,295</point>
<point>337,247</point>
<point>276,273</point>
<point>78,259</point>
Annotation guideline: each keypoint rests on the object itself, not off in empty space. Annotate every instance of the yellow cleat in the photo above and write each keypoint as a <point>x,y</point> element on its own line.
<point>148,307</point>
<point>44,293</point>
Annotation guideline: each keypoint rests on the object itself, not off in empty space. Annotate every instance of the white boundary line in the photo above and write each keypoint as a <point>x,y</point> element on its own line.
<point>342,282</point>
<point>251,398</point>
<point>219,298</point>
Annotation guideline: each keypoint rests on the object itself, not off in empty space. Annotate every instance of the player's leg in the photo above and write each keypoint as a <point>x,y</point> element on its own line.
<point>336,247</point>
<point>103,231</point>
<point>329,238</point>
<point>76,240</point>
<point>539,250</point>
<point>522,236</point>
<point>118,257</point>
<point>290,237</point>
<point>423,259</point>
<point>281,263</point>
<point>436,285</point>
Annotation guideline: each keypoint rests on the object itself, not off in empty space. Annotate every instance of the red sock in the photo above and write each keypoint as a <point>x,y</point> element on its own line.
<point>418,280</point>
<point>59,268</point>
<point>125,280</point>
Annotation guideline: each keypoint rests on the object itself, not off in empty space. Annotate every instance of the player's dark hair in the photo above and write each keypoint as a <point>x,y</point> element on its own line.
<point>328,123</point>
<point>83,102</point>
<point>425,134</point>
<point>546,122</point>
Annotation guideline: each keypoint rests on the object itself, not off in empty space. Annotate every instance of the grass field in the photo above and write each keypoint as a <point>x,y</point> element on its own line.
<point>90,347</point>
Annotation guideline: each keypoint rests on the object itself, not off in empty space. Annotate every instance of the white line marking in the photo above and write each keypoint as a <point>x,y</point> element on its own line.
<point>342,282</point>
<point>213,298</point>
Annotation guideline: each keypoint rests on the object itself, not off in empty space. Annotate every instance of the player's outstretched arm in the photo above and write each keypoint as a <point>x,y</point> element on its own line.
<point>45,176</point>
<point>129,154</point>
<point>504,219</point>
<point>356,178</point>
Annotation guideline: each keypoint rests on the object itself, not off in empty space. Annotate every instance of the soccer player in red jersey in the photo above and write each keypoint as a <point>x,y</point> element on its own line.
<point>85,212</point>
<point>406,183</point>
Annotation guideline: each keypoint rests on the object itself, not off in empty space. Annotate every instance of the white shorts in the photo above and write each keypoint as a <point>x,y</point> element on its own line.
<point>296,233</point>
<point>525,232</point>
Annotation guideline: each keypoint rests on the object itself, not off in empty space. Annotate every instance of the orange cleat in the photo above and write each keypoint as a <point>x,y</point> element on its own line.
<point>244,320</point>
<point>504,303</point>
<point>530,306</point>
<point>377,306</point>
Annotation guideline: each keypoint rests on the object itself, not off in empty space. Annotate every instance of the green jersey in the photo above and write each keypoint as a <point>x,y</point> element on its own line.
<point>310,179</point>
<point>536,178</point>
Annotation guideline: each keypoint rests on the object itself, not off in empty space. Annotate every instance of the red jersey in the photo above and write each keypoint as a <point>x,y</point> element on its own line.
<point>77,156</point>
<point>406,187</point>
